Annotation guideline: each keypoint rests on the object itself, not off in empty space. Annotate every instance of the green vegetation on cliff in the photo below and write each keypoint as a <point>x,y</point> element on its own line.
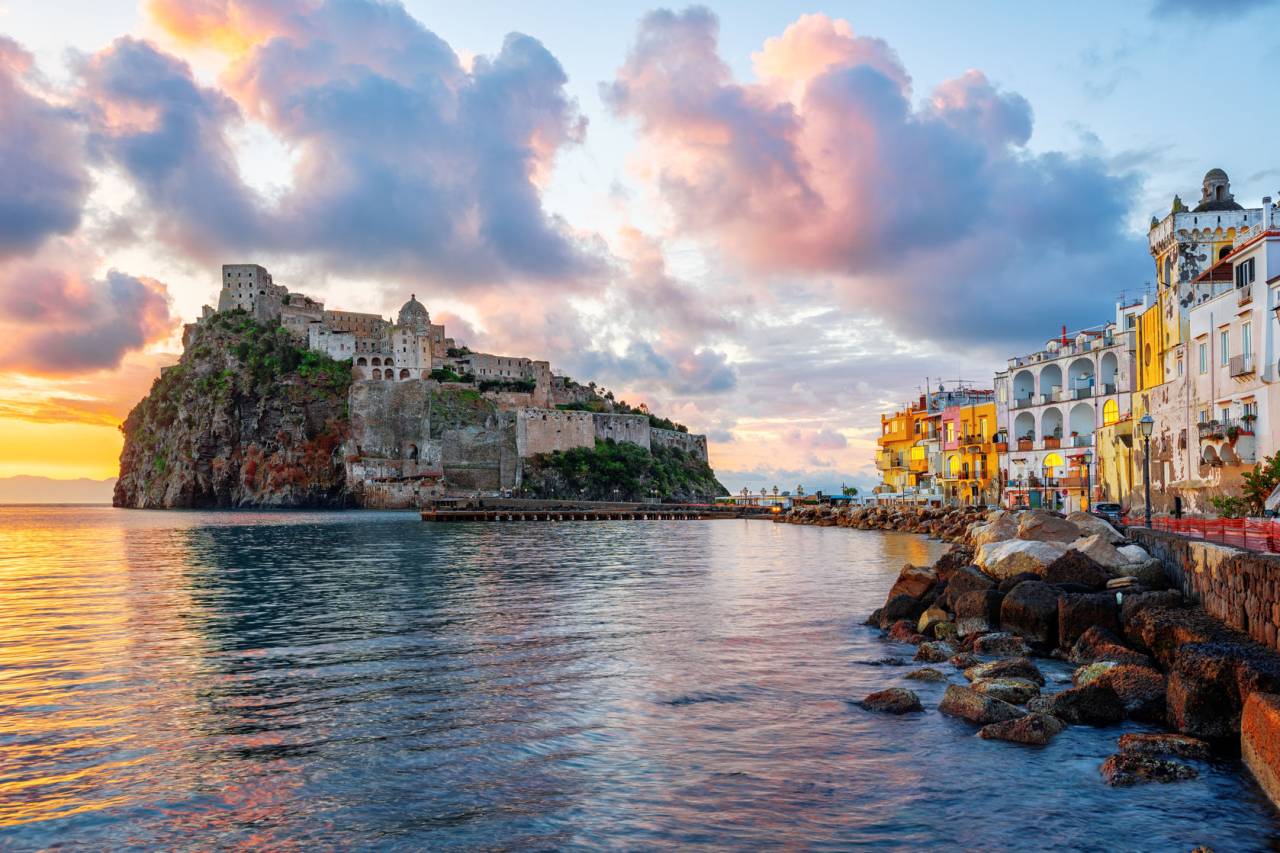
<point>620,471</point>
<point>246,418</point>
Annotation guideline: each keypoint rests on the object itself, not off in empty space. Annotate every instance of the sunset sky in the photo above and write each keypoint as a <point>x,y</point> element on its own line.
<point>769,224</point>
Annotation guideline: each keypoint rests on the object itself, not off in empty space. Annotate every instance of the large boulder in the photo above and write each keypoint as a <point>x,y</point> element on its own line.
<point>925,673</point>
<point>1132,768</point>
<point>895,700</point>
<point>1203,696</point>
<point>1141,689</point>
<point>1000,643</point>
<point>969,704</point>
<point>1078,613</point>
<point>900,607</point>
<point>935,652</point>
<point>1090,705</point>
<point>1098,644</point>
<point>1091,525</point>
<point>1001,560</point>
<point>1034,729</point>
<point>904,631</point>
<point>1041,526</point>
<point>978,612</point>
<point>1078,568</point>
<point>1150,573</point>
<point>1008,584</point>
<point>930,619</point>
<point>1015,691</point>
<point>1134,553</point>
<point>1031,611</point>
<point>1163,743</point>
<point>962,580</point>
<point>1091,672</point>
<point>1134,603</point>
<point>1000,529</point>
<point>1007,668</point>
<point>1099,549</point>
<point>956,558</point>
<point>914,581</point>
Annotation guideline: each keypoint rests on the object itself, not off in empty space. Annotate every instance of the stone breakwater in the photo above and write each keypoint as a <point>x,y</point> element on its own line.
<point>949,525</point>
<point>1020,586</point>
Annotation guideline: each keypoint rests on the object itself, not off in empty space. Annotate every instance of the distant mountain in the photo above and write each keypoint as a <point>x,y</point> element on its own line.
<point>44,490</point>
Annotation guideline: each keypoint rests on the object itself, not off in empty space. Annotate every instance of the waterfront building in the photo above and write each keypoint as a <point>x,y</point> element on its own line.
<point>1049,404</point>
<point>938,449</point>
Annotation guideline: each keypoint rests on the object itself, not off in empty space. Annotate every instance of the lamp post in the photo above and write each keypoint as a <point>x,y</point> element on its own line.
<point>1146,424</point>
<point>1087,458</point>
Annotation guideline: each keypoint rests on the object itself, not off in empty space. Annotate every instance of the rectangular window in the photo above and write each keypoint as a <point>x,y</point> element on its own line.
<point>1224,345</point>
<point>951,431</point>
<point>1226,414</point>
<point>1245,273</point>
<point>1204,358</point>
<point>1179,367</point>
<point>1246,340</point>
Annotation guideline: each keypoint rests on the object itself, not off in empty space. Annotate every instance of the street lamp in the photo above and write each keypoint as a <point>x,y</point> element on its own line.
<point>1146,424</point>
<point>1087,457</point>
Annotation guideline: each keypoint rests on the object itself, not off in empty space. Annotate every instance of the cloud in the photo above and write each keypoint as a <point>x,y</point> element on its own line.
<point>57,321</point>
<point>934,215</point>
<point>406,162</point>
<point>43,179</point>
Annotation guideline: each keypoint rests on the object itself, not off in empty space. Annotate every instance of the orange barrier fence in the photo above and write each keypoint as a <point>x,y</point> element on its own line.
<point>1252,534</point>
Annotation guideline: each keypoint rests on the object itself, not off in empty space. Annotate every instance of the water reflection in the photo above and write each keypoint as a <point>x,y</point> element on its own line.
<point>365,680</point>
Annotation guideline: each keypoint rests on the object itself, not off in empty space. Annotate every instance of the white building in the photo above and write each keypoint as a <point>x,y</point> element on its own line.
<point>1049,403</point>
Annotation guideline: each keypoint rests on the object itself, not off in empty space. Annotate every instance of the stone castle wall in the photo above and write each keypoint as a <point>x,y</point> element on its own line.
<point>629,428</point>
<point>549,430</point>
<point>1240,588</point>
<point>692,444</point>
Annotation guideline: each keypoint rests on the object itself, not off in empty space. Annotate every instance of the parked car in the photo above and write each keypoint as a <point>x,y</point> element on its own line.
<point>1110,511</point>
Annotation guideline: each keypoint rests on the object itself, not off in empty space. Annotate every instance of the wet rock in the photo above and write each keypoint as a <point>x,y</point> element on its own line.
<point>1142,690</point>
<point>930,618</point>
<point>978,612</point>
<point>914,581</point>
<point>1033,729</point>
<point>1041,526</point>
<point>895,700</point>
<point>874,618</point>
<point>1180,746</point>
<point>956,558</point>
<point>964,660</point>
<point>1135,602</point>
<point>1260,740</point>
<point>1163,630</point>
<point>1098,644</point>
<point>1001,643</point>
<point>1077,567</point>
<point>1007,668</point>
<point>946,631</point>
<point>890,661</point>
<point>1031,610</point>
<point>1015,691</point>
<point>900,607</point>
<point>1203,697</point>
<point>934,652</point>
<point>1040,705</point>
<point>1002,560</point>
<point>926,673</point>
<point>1133,768</point>
<point>969,704</point>
<point>1079,613</point>
<point>1089,673</point>
<point>904,631</point>
<point>1090,525</point>
<point>965,579</point>
<point>1009,584</point>
<point>1091,705</point>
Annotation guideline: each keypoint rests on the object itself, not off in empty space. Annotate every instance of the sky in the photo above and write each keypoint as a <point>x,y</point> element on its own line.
<point>770,222</point>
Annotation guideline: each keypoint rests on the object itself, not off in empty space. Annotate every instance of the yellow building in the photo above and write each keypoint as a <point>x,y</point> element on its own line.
<point>971,469</point>
<point>893,451</point>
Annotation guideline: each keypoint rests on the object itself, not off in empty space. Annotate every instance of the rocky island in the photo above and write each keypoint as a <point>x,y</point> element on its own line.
<point>278,402</point>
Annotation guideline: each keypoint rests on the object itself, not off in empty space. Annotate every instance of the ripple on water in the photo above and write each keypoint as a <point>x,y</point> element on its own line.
<point>364,680</point>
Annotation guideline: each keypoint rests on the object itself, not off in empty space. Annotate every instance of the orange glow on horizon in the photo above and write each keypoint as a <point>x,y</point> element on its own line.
<point>63,451</point>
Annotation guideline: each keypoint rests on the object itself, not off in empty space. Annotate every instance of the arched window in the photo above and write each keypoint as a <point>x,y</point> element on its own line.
<point>377,362</point>
<point>362,362</point>
<point>404,373</point>
<point>1223,252</point>
<point>1052,463</point>
<point>377,374</point>
<point>1110,412</point>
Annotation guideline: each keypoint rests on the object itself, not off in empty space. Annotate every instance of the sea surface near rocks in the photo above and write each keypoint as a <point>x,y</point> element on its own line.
<point>363,680</point>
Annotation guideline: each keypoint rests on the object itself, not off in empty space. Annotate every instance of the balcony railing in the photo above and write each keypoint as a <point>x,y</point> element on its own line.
<point>1082,440</point>
<point>1244,295</point>
<point>1242,365</point>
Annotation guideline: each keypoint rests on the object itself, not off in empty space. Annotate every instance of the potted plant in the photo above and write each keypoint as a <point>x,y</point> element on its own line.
<point>1233,432</point>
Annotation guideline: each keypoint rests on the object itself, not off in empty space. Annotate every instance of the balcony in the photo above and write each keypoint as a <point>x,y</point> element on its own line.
<point>1052,442</point>
<point>1242,365</point>
<point>1026,444</point>
<point>1024,402</point>
<point>1244,295</point>
<point>1082,440</point>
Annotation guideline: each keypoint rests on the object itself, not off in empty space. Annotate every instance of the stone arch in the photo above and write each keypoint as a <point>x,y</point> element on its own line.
<point>376,362</point>
<point>1223,252</point>
<point>1024,384</point>
<point>1080,374</point>
<point>1108,370</point>
<point>377,373</point>
<point>1024,426</point>
<point>1081,420</point>
<point>1051,423</point>
<point>362,362</point>
<point>1110,412</point>
<point>1050,379</point>
<point>404,373</point>
<point>389,361</point>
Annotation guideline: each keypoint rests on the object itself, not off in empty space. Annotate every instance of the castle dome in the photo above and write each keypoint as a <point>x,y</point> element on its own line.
<point>1216,193</point>
<point>414,313</point>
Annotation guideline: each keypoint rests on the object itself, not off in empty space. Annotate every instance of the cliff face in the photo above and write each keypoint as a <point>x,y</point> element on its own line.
<point>246,418</point>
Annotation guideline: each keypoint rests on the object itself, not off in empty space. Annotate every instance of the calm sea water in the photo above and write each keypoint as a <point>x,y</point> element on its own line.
<point>363,680</point>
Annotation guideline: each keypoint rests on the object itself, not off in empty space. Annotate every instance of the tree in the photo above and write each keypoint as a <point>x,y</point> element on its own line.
<point>851,491</point>
<point>1261,482</point>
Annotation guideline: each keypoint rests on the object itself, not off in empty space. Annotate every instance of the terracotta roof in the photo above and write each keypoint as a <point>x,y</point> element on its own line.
<point>1221,271</point>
